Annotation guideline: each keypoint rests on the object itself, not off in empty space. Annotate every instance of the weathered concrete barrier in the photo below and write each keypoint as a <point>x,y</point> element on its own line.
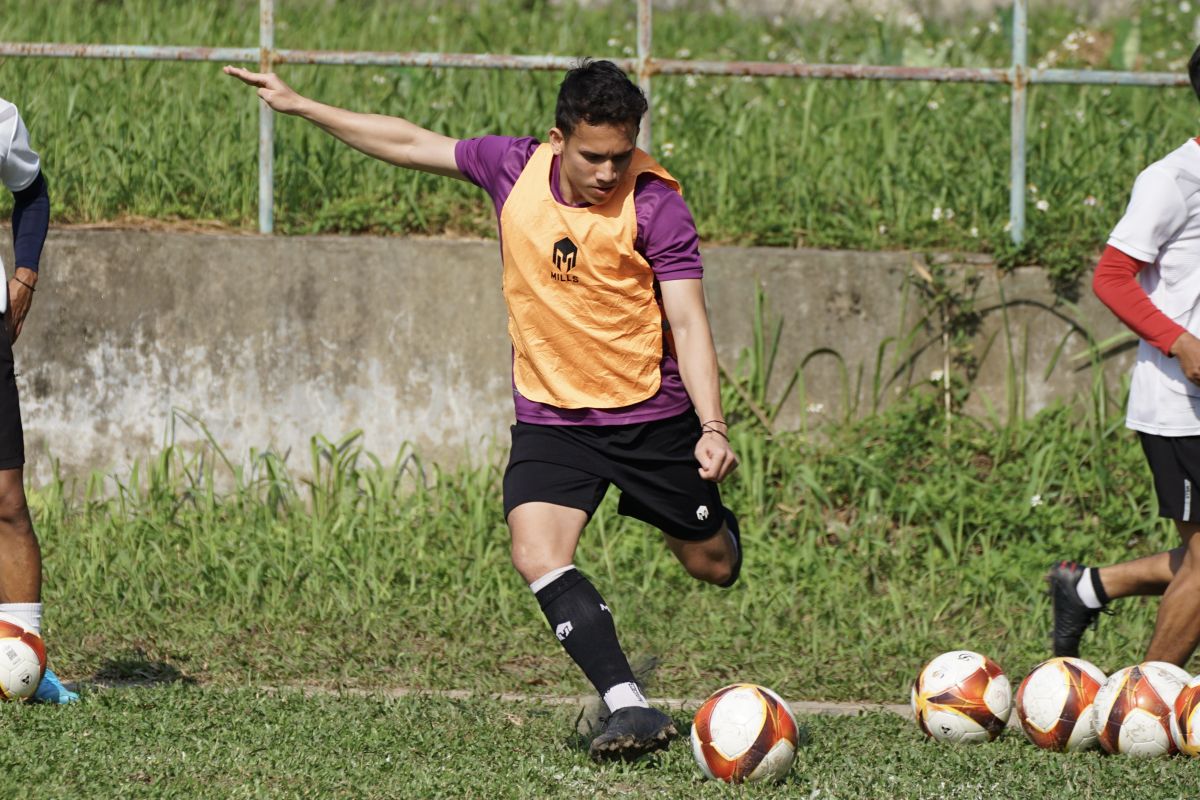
<point>269,341</point>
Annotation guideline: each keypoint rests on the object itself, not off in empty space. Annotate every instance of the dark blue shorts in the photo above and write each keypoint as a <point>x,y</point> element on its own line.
<point>653,464</point>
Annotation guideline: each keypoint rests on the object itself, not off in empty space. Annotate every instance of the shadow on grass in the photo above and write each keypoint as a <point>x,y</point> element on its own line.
<point>134,669</point>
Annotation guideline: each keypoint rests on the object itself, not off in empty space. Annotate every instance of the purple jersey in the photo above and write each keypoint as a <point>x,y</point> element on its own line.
<point>666,238</point>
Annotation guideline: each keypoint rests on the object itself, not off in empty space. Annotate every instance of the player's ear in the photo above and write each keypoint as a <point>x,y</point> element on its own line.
<point>557,141</point>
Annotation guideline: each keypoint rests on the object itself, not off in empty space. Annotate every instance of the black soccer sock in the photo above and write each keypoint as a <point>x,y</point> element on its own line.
<point>1098,587</point>
<point>581,620</point>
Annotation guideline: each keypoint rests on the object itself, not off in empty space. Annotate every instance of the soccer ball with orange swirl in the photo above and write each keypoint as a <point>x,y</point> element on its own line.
<point>962,696</point>
<point>22,659</point>
<point>743,733</point>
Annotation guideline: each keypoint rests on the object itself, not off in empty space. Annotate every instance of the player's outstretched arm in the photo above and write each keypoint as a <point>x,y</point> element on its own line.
<point>683,302</point>
<point>391,139</point>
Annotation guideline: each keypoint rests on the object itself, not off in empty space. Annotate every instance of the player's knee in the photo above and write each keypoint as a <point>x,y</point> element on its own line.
<point>14,513</point>
<point>715,571</point>
<point>531,565</point>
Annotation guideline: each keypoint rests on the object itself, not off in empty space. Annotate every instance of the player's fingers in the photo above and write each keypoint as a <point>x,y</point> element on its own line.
<point>246,76</point>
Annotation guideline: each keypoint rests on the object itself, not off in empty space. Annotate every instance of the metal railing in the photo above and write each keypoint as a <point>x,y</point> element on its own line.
<point>1018,76</point>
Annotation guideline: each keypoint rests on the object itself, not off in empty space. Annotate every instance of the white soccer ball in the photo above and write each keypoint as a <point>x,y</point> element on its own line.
<point>962,696</point>
<point>1133,709</point>
<point>1056,704</point>
<point>1185,718</point>
<point>22,659</point>
<point>743,733</point>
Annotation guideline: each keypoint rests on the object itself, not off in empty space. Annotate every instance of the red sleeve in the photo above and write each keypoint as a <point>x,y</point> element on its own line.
<point>1115,283</point>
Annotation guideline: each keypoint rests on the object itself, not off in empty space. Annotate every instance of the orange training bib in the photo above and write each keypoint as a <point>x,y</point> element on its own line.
<point>586,328</point>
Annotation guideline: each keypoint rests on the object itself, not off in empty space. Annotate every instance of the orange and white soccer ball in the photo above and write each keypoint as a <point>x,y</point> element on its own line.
<point>1133,709</point>
<point>22,659</point>
<point>1056,704</point>
<point>744,732</point>
<point>1185,719</point>
<point>962,696</point>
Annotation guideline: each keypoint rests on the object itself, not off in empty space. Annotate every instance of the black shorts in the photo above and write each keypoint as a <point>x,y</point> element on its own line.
<point>652,463</point>
<point>1175,463</point>
<point>12,439</point>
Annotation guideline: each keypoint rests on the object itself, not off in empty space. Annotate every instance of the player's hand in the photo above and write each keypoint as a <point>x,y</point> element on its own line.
<point>716,457</point>
<point>271,88</point>
<point>1187,350</point>
<point>20,297</point>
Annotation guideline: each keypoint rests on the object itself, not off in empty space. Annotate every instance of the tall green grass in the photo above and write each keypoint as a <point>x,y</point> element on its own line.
<point>869,549</point>
<point>779,162</point>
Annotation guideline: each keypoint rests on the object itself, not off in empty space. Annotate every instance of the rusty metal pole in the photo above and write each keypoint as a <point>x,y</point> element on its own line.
<point>266,121</point>
<point>645,15</point>
<point>1020,70</point>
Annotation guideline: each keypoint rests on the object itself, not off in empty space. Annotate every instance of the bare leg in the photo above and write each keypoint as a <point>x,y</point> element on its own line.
<point>1150,575</point>
<point>544,537</point>
<point>710,560</point>
<point>1177,630</point>
<point>20,555</point>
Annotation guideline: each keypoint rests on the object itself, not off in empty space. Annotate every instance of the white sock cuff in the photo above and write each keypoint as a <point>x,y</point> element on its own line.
<point>30,614</point>
<point>624,695</point>
<point>549,578</point>
<point>1087,592</point>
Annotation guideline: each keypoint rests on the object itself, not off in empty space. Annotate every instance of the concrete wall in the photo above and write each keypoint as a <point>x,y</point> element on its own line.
<point>272,340</point>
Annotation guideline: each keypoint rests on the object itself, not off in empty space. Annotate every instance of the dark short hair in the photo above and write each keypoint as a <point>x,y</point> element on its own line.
<point>1194,71</point>
<point>598,93</point>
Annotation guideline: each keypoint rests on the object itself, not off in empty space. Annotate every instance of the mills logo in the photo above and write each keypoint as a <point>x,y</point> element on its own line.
<point>565,255</point>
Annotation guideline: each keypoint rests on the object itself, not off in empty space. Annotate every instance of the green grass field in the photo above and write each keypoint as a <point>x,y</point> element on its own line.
<point>178,742</point>
<point>869,551</point>
<point>194,598</point>
<point>777,162</point>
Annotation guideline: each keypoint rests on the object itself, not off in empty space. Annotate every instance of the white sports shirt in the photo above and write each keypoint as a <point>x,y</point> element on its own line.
<point>19,165</point>
<point>1162,226</point>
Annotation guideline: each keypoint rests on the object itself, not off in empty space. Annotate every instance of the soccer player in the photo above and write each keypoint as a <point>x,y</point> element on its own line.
<point>1149,276</point>
<point>20,555</point>
<point>613,367</point>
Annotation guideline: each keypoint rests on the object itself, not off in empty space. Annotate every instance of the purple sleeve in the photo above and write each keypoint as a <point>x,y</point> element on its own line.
<point>494,163</point>
<point>667,233</point>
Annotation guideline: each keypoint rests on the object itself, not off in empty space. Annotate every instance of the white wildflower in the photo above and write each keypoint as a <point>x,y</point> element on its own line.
<point>1035,501</point>
<point>379,79</point>
<point>883,229</point>
<point>683,52</point>
<point>937,214</point>
<point>1042,205</point>
<point>816,408</point>
<point>936,376</point>
<point>614,42</point>
<point>932,105</point>
<point>1090,200</point>
<point>667,149</point>
<point>974,232</point>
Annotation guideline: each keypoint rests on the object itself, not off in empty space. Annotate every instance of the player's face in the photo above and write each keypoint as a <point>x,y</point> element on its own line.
<point>593,160</point>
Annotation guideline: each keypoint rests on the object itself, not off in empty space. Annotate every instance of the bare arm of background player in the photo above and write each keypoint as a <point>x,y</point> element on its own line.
<point>391,139</point>
<point>683,301</point>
